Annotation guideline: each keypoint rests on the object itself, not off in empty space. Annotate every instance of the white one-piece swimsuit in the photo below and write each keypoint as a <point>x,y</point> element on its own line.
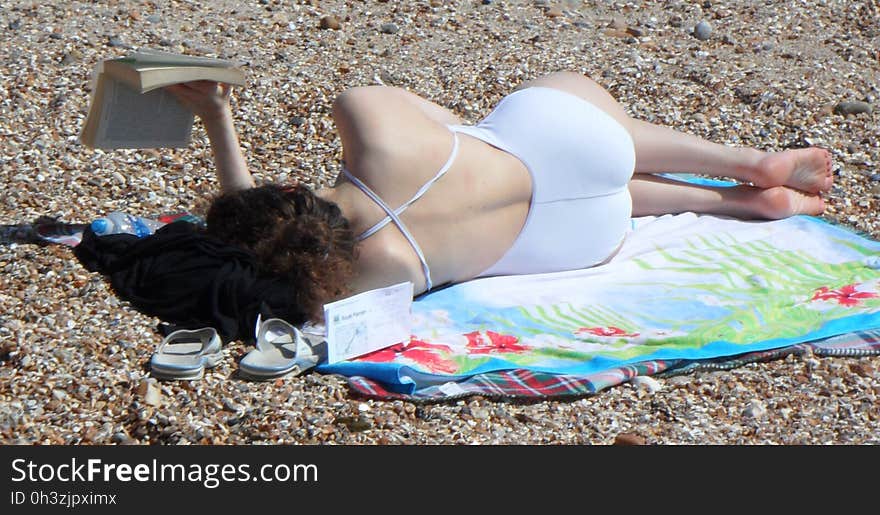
<point>580,160</point>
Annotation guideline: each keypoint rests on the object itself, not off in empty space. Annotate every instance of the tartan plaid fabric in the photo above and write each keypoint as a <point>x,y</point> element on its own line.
<point>527,384</point>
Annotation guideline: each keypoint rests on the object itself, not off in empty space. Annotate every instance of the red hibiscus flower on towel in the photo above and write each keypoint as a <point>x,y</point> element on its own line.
<point>423,353</point>
<point>609,331</point>
<point>846,296</point>
<point>490,341</point>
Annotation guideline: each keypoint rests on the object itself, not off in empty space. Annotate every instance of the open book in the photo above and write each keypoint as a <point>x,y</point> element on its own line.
<point>129,108</point>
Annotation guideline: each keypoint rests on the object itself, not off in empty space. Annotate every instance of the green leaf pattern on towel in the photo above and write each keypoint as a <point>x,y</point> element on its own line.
<point>766,292</point>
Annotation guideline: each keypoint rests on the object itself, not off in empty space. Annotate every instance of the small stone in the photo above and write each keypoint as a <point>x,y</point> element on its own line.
<point>59,394</point>
<point>296,121</point>
<point>616,33</point>
<point>553,12</point>
<point>355,424</point>
<point>150,392</point>
<point>487,2</point>
<point>71,57</point>
<point>629,439</point>
<point>154,18</point>
<point>14,25</point>
<point>389,28</point>
<point>862,369</point>
<point>114,41</point>
<point>703,31</point>
<point>524,418</point>
<point>330,22</point>
<point>633,31</point>
<point>480,413</point>
<point>681,380</point>
<point>153,396</point>
<point>121,437</point>
<point>755,409</point>
<point>387,78</point>
<point>142,387</point>
<point>90,434</point>
<point>618,23</point>
<point>854,107</point>
<point>230,405</point>
<point>647,383</point>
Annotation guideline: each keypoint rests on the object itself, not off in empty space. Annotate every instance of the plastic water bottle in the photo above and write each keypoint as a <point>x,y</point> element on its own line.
<point>118,222</point>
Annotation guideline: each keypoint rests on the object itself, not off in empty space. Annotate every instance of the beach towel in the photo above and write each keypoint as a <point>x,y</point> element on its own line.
<point>683,289</point>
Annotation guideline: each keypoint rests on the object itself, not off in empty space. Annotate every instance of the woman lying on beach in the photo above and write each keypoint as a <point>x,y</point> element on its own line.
<point>547,182</point>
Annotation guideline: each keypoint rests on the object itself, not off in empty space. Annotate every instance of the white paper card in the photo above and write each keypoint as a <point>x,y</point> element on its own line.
<point>368,321</point>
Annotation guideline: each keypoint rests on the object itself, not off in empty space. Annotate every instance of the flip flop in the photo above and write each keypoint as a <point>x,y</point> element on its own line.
<point>281,349</point>
<point>185,354</point>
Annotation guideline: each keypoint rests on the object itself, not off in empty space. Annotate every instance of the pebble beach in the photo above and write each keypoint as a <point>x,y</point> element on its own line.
<point>74,359</point>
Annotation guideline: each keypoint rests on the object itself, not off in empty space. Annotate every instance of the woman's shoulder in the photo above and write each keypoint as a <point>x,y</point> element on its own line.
<point>377,114</point>
<point>381,133</point>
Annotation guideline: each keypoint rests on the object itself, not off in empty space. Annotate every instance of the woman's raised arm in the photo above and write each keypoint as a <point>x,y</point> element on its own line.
<point>210,102</point>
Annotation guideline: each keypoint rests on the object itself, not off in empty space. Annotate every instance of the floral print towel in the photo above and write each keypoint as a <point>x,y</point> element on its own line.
<point>683,287</point>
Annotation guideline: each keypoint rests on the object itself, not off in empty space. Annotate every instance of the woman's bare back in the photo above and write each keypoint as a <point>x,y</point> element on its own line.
<point>466,220</point>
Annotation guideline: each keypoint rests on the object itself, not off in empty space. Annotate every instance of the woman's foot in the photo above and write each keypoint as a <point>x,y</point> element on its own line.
<point>806,169</point>
<point>781,202</point>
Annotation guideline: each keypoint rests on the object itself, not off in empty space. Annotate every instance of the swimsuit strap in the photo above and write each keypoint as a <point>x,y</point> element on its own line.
<point>425,187</point>
<point>394,215</point>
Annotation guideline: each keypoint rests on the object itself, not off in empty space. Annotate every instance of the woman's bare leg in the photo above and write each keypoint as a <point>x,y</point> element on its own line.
<point>652,195</point>
<point>660,149</point>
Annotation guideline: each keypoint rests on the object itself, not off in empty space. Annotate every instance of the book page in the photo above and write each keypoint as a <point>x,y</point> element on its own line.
<point>159,57</point>
<point>149,120</point>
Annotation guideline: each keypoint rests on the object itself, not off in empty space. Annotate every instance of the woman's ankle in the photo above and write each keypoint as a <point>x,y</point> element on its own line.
<point>748,165</point>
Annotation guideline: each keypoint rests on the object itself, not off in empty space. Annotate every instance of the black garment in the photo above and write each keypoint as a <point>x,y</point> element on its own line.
<point>189,279</point>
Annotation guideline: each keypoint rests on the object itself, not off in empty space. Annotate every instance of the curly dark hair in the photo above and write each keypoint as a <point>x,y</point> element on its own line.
<point>294,234</point>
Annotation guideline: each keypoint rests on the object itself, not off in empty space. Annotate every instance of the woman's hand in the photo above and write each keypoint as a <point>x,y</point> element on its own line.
<point>210,101</point>
<point>207,99</point>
